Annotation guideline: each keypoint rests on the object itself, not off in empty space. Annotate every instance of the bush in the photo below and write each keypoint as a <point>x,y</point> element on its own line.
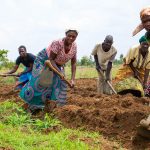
<point>4,62</point>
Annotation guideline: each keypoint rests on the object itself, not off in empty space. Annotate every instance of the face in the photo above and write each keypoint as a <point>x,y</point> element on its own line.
<point>71,37</point>
<point>144,47</point>
<point>107,45</point>
<point>22,52</point>
<point>146,23</point>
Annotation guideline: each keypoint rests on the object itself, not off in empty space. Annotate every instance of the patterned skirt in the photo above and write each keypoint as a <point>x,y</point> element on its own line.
<point>35,94</point>
<point>126,83</point>
<point>147,90</point>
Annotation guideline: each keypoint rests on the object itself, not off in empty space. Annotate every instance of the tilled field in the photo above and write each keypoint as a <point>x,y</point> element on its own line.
<point>116,117</point>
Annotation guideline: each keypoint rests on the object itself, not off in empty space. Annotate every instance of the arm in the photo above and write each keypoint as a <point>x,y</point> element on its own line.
<point>109,67</point>
<point>98,68</point>
<point>28,70</point>
<point>94,53</point>
<point>13,70</point>
<point>52,58</point>
<point>133,68</point>
<point>135,72</point>
<point>73,70</point>
<point>146,74</point>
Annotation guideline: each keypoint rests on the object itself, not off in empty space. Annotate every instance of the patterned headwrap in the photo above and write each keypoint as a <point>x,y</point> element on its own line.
<point>144,13</point>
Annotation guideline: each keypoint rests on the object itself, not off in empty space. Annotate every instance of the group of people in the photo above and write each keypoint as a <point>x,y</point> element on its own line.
<point>132,76</point>
<point>31,80</point>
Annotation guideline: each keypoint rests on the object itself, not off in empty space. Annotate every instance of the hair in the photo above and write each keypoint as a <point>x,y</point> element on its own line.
<point>22,46</point>
<point>109,38</point>
<point>72,31</point>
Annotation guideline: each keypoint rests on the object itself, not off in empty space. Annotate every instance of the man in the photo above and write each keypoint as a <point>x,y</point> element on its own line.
<point>104,55</point>
<point>27,59</point>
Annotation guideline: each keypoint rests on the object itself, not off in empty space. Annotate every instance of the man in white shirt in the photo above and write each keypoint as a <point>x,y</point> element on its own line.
<point>104,55</point>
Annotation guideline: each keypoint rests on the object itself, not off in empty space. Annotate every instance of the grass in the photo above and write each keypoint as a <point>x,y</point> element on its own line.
<point>19,131</point>
<point>88,72</point>
<point>81,72</point>
<point>16,138</point>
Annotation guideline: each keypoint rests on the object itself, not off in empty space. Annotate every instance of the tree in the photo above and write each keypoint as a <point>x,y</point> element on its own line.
<point>121,57</point>
<point>3,56</point>
<point>4,60</point>
<point>86,61</point>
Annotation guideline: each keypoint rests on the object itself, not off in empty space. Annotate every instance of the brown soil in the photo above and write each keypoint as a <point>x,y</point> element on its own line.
<point>7,92</point>
<point>116,117</point>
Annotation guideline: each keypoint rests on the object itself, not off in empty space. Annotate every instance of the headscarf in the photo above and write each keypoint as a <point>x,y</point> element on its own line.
<point>144,13</point>
<point>143,39</point>
<point>71,29</point>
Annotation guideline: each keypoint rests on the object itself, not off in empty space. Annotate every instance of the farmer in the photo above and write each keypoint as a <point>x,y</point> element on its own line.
<point>104,55</point>
<point>145,24</point>
<point>145,20</point>
<point>133,75</point>
<point>27,59</point>
<point>59,52</point>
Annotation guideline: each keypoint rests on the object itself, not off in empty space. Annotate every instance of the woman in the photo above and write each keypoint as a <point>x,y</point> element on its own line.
<point>145,20</point>
<point>133,76</point>
<point>27,59</point>
<point>145,24</point>
<point>58,52</point>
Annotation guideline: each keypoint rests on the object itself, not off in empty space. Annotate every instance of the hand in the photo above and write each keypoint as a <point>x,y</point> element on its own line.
<point>19,74</point>
<point>107,78</point>
<point>4,74</point>
<point>72,83</point>
<point>62,76</point>
<point>137,76</point>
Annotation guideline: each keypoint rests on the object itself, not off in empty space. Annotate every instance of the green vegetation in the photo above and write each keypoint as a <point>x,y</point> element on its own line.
<point>4,62</point>
<point>88,72</point>
<point>20,131</point>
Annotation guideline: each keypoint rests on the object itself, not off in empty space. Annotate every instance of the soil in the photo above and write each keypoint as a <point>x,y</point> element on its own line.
<point>117,117</point>
<point>7,93</point>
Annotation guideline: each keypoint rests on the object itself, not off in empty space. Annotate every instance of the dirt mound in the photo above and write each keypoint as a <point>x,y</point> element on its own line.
<point>7,92</point>
<point>114,116</point>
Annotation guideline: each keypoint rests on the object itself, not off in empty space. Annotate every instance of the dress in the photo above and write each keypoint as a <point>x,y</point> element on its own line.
<point>35,94</point>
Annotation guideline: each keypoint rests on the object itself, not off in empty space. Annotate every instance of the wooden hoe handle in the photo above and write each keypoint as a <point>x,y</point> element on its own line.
<point>5,75</point>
